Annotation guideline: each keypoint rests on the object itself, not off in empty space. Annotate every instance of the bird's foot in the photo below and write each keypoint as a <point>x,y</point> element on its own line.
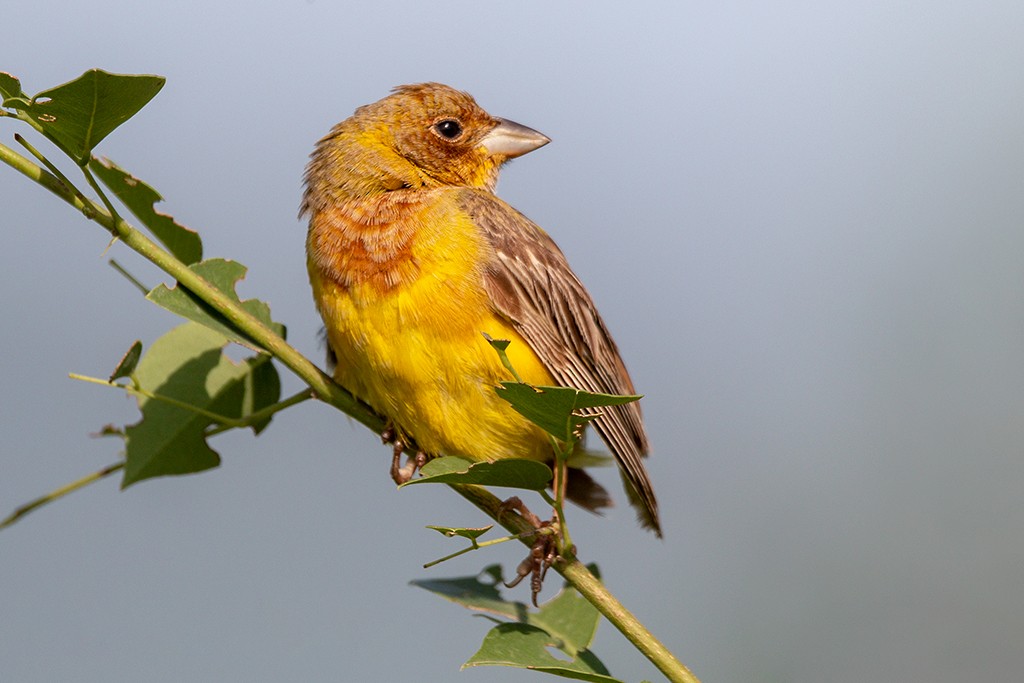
<point>543,552</point>
<point>401,474</point>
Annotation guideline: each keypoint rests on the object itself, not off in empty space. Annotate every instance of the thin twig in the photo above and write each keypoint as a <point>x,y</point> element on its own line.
<point>60,493</point>
<point>128,276</point>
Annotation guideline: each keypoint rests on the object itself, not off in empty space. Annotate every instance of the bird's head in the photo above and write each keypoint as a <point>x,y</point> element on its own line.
<point>424,135</point>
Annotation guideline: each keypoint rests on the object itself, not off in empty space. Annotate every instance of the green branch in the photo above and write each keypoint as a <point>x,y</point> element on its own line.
<point>322,385</point>
<point>589,586</point>
<point>327,390</point>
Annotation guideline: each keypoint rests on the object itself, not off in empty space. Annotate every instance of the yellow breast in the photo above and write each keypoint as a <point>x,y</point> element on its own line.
<point>405,312</point>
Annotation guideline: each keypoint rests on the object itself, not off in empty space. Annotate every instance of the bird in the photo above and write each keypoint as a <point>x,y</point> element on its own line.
<point>414,260</point>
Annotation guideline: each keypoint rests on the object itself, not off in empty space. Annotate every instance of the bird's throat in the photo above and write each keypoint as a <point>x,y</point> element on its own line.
<point>365,242</point>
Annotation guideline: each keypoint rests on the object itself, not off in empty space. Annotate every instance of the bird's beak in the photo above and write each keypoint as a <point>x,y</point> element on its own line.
<point>510,139</point>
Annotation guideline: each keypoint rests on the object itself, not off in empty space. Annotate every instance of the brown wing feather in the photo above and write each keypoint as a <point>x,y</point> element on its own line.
<point>530,283</point>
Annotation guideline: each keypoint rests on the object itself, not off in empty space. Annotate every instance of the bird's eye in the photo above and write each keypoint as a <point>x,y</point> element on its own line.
<point>448,129</point>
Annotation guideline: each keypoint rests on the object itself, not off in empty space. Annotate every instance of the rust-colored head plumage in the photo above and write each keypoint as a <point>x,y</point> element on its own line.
<point>439,130</point>
<point>423,135</point>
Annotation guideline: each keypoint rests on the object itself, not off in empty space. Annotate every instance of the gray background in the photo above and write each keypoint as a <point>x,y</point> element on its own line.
<point>802,221</point>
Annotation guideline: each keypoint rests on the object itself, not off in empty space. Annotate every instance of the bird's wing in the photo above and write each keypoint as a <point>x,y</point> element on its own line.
<point>529,282</point>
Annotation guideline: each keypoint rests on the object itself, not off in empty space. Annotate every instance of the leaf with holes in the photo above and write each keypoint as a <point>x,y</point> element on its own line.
<point>223,275</point>
<point>191,381</point>
<point>80,113</point>
<point>562,412</point>
<point>557,410</point>
<point>140,198</point>
<point>10,88</point>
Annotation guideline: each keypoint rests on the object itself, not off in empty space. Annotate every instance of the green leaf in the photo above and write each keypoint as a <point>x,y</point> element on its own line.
<point>187,365</point>
<point>479,593</point>
<point>262,389</point>
<point>126,366</point>
<point>513,473</point>
<point>140,198</point>
<point>566,622</point>
<point>10,87</point>
<point>79,114</point>
<point>562,412</point>
<point>557,410</point>
<point>570,618</point>
<point>472,533</point>
<point>223,275</point>
<point>527,647</point>
<point>500,345</point>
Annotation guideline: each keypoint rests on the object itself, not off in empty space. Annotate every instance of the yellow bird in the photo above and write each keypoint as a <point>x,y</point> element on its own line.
<point>413,258</point>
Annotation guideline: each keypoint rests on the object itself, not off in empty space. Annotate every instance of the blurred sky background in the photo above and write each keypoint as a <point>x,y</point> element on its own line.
<point>803,221</point>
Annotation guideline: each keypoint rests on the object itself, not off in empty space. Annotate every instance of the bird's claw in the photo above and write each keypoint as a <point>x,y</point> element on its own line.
<point>401,474</point>
<point>543,552</point>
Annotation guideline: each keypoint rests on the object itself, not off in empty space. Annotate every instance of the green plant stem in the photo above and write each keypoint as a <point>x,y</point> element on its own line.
<point>50,167</point>
<point>615,612</point>
<point>229,422</point>
<point>590,587</point>
<point>561,469</point>
<point>322,385</point>
<point>263,414</point>
<point>224,422</point>
<point>111,211</point>
<point>477,546</point>
<point>60,493</point>
<point>325,389</point>
<point>128,276</point>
